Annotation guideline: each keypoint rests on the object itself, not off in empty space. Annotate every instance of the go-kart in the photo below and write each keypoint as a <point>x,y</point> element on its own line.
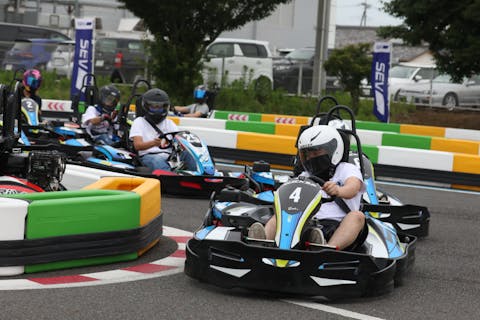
<point>221,253</point>
<point>24,172</point>
<point>192,171</point>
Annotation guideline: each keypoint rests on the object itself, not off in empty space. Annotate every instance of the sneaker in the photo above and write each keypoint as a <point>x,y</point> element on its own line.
<point>316,236</point>
<point>257,231</point>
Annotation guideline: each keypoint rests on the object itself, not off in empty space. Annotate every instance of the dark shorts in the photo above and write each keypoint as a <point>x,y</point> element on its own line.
<point>329,226</point>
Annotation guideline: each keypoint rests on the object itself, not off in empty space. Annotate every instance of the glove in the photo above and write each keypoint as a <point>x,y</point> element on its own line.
<point>179,114</point>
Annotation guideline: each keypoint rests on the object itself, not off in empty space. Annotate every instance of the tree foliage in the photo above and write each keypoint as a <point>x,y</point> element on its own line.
<point>351,65</point>
<point>451,29</point>
<point>181,28</point>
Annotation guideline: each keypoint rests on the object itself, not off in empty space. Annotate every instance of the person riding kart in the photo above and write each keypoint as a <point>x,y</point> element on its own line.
<point>200,108</point>
<point>146,132</point>
<point>32,80</point>
<point>322,154</point>
<point>98,119</point>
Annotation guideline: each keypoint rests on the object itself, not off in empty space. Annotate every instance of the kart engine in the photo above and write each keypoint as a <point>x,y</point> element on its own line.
<point>43,168</point>
<point>46,169</point>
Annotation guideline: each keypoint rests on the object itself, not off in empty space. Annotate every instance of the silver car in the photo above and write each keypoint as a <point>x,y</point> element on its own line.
<point>442,91</point>
<point>62,59</point>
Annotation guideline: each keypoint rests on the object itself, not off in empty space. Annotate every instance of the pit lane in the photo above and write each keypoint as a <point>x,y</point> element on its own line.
<point>443,283</point>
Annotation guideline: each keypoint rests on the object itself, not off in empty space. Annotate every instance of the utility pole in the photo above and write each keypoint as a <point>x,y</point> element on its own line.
<point>363,20</point>
<point>321,46</point>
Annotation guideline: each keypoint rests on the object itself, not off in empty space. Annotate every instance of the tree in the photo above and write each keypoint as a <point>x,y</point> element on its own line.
<point>351,65</point>
<point>451,29</point>
<point>182,30</point>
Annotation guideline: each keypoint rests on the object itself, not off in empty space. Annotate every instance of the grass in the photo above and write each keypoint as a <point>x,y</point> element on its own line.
<point>236,97</point>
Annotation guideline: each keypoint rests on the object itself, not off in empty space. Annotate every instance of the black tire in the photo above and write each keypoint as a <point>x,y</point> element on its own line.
<point>450,101</point>
<point>395,96</point>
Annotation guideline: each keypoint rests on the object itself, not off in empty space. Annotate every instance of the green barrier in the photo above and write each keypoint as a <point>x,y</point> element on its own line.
<point>219,114</point>
<point>251,126</point>
<point>378,126</point>
<point>370,151</point>
<point>406,141</point>
<point>53,214</point>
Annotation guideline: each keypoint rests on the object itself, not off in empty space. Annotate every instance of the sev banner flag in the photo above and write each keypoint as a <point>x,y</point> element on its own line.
<point>379,79</point>
<point>83,58</point>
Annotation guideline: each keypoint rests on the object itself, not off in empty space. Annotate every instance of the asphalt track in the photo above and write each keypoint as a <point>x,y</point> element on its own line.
<point>443,284</point>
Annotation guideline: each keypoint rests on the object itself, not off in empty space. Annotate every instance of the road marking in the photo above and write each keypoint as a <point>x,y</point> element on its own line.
<point>328,309</point>
<point>172,264</point>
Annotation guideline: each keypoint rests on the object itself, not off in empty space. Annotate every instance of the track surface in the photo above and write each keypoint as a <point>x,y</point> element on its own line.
<point>444,283</point>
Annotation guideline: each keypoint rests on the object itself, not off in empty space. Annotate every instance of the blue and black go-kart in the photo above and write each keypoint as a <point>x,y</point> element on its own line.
<point>221,253</point>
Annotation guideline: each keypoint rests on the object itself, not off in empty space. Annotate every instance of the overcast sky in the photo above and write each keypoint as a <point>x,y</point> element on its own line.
<point>349,12</point>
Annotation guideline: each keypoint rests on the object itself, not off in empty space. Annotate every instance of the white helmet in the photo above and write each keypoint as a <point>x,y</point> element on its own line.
<point>320,140</point>
<point>339,124</point>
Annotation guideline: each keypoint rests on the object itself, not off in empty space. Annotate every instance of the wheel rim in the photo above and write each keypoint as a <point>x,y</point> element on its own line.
<point>450,101</point>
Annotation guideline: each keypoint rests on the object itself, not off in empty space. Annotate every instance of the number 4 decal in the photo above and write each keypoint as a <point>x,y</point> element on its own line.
<point>295,195</point>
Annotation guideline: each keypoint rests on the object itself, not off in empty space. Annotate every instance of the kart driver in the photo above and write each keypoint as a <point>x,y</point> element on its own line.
<point>199,109</point>
<point>98,119</point>
<point>152,149</point>
<point>321,150</point>
<point>32,80</point>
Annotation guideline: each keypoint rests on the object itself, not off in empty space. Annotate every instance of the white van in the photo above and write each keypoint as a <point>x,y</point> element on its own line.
<point>227,60</point>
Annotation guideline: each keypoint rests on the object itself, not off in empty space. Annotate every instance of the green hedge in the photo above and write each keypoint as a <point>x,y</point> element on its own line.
<point>236,97</point>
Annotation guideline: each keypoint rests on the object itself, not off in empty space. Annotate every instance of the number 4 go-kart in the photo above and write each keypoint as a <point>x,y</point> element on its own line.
<point>221,253</point>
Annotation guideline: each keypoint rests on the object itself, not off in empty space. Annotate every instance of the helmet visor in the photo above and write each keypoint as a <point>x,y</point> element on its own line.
<point>199,93</point>
<point>327,148</point>
<point>156,107</point>
<point>32,82</point>
<point>110,100</point>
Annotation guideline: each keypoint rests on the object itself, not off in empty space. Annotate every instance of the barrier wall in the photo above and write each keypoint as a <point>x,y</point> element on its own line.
<point>452,133</point>
<point>107,206</point>
<point>387,155</point>
<point>368,137</point>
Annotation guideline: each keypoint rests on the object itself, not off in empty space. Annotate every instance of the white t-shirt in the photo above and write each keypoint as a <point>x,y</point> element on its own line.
<point>331,210</point>
<point>140,127</point>
<point>197,107</point>
<point>94,130</point>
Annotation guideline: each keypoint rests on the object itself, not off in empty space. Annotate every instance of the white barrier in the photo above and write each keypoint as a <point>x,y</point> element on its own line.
<point>12,227</point>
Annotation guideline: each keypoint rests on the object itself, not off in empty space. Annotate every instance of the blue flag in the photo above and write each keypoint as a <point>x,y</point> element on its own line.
<point>82,63</point>
<point>379,80</point>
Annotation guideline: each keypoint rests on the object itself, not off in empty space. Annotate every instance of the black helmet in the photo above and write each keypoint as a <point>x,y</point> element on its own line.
<point>155,103</point>
<point>109,97</point>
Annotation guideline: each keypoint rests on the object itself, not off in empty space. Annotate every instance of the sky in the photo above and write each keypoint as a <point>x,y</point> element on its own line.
<point>349,12</point>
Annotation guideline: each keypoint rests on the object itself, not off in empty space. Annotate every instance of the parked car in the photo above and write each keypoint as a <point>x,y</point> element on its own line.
<point>227,60</point>
<point>442,91</point>
<point>62,59</point>
<point>298,63</point>
<point>31,53</point>
<point>120,58</point>
<point>405,74</point>
<point>9,32</point>
<point>401,76</point>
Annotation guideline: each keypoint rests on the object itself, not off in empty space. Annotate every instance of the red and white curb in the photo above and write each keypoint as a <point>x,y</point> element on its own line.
<point>163,267</point>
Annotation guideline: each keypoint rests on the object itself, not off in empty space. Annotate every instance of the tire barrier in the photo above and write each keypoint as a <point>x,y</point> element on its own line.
<point>114,219</point>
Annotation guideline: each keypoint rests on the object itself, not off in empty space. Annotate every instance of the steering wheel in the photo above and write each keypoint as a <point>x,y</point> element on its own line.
<point>169,138</point>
